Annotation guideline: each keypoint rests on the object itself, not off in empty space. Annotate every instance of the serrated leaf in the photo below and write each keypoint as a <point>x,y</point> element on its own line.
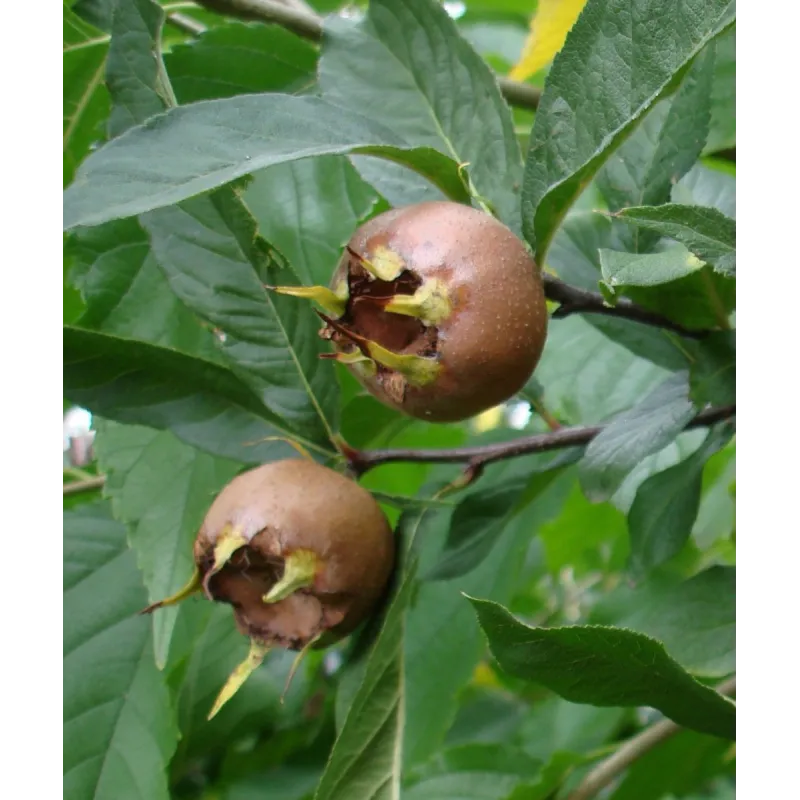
<point>292,205</point>
<point>604,666</point>
<point>662,515</point>
<point>549,27</point>
<point>118,719</point>
<point>215,263</point>
<point>432,89</point>
<point>712,378</point>
<point>126,293</point>
<point>662,149</point>
<point>238,58</point>
<point>201,402</point>
<point>151,165</point>
<point>695,620</point>
<point>647,269</point>
<point>709,234</point>
<point>135,73</point>
<point>162,489</point>
<point>644,429</point>
<point>588,109</point>
<point>85,96</point>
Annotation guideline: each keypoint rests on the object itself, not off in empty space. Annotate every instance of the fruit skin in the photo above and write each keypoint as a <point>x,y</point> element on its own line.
<point>288,506</point>
<point>493,337</point>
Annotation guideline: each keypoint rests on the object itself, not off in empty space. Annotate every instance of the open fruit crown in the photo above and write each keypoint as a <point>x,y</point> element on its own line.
<point>302,553</point>
<point>436,308</point>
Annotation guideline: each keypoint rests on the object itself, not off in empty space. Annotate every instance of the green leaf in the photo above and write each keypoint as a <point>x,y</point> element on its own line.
<point>644,429</point>
<point>695,620</point>
<point>366,760</point>
<point>292,205</point>
<point>126,293</point>
<point>217,265</point>
<point>398,184</point>
<point>162,489</point>
<point>666,505</point>
<point>705,186</point>
<point>152,165</point>
<point>473,785</point>
<point>712,378</point>
<point>588,378</point>
<point>481,517</point>
<point>119,731</point>
<point>443,641</point>
<point>722,133</point>
<point>432,89</point>
<point>584,537</point>
<point>201,402</point>
<point>574,256</point>
<point>663,148</point>
<point>648,269</point>
<point>135,73</point>
<point>604,666</point>
<point>709,234</point>
<point>588,109</point>
<point>238,58</point>
<point>85,95</point>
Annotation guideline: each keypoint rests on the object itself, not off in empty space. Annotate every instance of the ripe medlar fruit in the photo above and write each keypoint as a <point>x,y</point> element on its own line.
<point>438,310</point>
<point>302,553</point>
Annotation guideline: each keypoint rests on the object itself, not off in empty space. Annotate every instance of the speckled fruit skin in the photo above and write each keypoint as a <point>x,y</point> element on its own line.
<point>298,504</point>
<point>494,338</point>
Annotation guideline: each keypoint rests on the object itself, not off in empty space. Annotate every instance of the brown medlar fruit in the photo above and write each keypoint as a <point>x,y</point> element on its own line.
<point>302,553</point>
<point>437,308</point>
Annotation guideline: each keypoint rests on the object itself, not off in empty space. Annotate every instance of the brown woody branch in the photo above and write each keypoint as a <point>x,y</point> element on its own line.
<point>632,750</point>
<point>573,300</point>
<point>309,25</point>
<point>476,458</point>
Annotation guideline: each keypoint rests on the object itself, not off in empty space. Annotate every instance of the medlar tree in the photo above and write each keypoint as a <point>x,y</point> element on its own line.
<point>419,449</point>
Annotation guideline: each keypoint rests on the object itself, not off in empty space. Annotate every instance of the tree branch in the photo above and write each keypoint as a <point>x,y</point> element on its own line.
<point>632,750</point>
<point>573,300</point>
<point>476,458</point>
<point>309,26</point>
<point>84,486</point>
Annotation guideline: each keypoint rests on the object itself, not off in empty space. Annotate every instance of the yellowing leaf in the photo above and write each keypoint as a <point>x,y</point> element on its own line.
<point>549,28</point>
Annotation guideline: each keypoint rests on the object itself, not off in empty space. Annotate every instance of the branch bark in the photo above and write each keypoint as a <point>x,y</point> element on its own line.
<point>476,458</point>
<point>632,750</point>
<point>309,26</point>
<point>573,300</point>
<point>84,486</point>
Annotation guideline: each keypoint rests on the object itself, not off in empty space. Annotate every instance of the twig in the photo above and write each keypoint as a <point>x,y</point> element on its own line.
<point>476,458</point>
<point>633,749</point>
<point>574,300</point>
<point>309,26</point>
<point>186,24</point>
<point>84,486</point>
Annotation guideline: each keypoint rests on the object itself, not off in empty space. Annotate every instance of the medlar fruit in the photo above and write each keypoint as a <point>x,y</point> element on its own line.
<point>302,553</point>
<point>437,308</point>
